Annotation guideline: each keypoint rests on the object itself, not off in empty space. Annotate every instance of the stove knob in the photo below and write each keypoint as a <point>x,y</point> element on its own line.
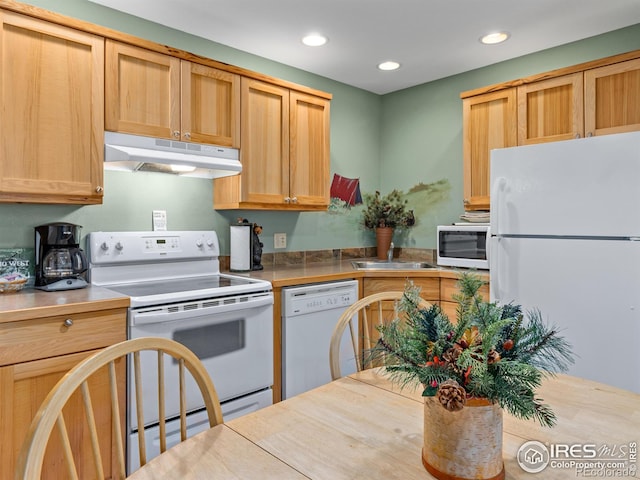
<point>104,246</point>
<point>199,243</point>
<point>209,242</point>
<point>119,246</point>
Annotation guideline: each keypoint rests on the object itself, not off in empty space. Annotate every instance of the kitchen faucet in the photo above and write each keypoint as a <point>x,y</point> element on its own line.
<point>390,252</point>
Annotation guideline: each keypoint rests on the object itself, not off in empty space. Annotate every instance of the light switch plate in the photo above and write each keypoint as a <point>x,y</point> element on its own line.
<point>279,240</point>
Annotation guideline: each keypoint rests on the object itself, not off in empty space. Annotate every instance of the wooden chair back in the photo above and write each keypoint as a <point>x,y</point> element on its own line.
<point>50,414</point>
<point>371,312</point>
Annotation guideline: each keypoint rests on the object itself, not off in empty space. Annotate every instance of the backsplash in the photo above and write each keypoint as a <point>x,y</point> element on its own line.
<point>282,259</point>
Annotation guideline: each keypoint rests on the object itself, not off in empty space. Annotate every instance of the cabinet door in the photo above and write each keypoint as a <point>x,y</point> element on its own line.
<point>25,385</point>
<point>429,290</point>
<point>210,105</point>
<point>264,151</point>
<point>309,150</point>
<point>449,288</point>
<point>489,121</point>
<point>52,122</point>
<point>142,90</point>
<point>551,110</point>
<point>612,98</point>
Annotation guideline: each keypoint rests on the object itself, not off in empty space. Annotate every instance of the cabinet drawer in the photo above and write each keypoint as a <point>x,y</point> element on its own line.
<point>51,336</point>
<point>449,287</point>
<point>430,287</point>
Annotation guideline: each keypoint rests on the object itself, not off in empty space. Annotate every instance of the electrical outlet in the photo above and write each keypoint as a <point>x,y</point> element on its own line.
<point>279,240</point>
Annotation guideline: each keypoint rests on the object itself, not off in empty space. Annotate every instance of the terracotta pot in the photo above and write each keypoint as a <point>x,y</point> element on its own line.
<point>383,241</point>
<point>466,444</point>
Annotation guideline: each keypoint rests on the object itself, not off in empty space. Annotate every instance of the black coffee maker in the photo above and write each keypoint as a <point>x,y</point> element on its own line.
<point>60,262</point>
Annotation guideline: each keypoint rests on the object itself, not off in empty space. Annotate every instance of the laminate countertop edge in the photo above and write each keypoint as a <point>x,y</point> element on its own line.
<point>32,303</point>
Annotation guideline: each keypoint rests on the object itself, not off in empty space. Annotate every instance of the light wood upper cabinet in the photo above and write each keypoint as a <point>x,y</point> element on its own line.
<point>264,149</point>
<point>210,105</point>
<point>309,150</point>
<point>489,121</point>
<point>551,110</point>
<point>35,354</point>
<point>142,90</point>
<point>595,98</point>
<point>157,95</point>
<point>52,122</point>
<point>612,98</point>
<point>598,101</point>
<point>284,151</point>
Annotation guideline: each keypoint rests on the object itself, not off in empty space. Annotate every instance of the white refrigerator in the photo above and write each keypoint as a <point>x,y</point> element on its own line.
<point>565,239</point>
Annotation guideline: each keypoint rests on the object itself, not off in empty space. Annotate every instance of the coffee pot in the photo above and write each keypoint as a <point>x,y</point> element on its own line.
<point>60,262</point>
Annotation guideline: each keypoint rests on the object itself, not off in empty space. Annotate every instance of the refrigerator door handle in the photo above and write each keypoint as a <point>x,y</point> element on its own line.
<point>497,188</point>
<point>488,247</point>
<point>494,269</point>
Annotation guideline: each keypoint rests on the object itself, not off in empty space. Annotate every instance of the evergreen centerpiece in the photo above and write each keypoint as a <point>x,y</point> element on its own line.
<point>492,358</point>
<point>492,352</point>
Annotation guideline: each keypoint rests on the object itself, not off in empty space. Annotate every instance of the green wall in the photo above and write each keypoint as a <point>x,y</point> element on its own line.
<point>390,141</point>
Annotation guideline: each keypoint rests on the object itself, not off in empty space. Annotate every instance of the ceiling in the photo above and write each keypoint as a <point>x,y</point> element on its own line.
<point>431,39</point>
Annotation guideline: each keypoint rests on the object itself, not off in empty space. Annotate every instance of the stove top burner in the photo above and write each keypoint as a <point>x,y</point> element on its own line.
<point>163,287</point>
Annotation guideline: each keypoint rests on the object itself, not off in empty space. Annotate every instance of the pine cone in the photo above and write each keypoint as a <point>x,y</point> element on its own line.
<point>493,357</point>
<point>451,395</point>
<point>452,354</point>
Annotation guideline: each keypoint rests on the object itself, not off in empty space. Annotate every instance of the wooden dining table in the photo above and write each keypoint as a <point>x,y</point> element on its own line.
<point>365,427</point>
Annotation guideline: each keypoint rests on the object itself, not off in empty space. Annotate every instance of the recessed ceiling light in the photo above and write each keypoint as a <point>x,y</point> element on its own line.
<point>493,38</point>
<point>314,40</point>
<point>389,65</point>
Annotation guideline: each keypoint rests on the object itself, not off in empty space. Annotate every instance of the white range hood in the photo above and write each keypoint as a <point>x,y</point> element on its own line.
<point>133,153</point>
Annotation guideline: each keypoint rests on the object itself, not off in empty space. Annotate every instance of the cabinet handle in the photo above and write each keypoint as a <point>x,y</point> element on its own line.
<point>68,322</point>
<point>187,136</point>
<point>590,134</point>
<point>287,199</point>
<point>99,189</point>
<point>176,134</point>
<point>294,200</point>
<point>577,135</point>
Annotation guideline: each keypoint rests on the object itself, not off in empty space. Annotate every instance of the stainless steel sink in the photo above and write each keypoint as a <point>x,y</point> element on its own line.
<point>392,265</point>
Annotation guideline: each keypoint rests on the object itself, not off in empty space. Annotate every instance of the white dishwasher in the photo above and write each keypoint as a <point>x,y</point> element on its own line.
<point>309,315</point>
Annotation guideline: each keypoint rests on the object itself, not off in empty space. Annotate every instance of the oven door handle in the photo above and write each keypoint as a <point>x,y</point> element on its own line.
<point>165,314</point>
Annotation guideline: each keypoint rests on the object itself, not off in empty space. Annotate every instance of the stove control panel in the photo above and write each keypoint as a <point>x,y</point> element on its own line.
<point>140,247</point>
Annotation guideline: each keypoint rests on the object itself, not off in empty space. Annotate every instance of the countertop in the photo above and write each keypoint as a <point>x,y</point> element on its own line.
<point>32,303</point>
<point>286,275</point>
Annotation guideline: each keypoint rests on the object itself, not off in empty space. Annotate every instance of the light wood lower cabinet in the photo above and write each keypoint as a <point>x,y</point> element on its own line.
<point>440,291</point>
<point>52,121</point>
<point>448,289</point>
<point>430,291</point>
<point>34,355</point>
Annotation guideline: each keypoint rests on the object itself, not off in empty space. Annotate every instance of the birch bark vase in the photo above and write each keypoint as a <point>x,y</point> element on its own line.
<point>466,444</point>
<point>383,241</point>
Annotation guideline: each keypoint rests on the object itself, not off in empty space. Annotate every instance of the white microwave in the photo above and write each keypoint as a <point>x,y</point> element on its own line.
<point>464,245</point>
